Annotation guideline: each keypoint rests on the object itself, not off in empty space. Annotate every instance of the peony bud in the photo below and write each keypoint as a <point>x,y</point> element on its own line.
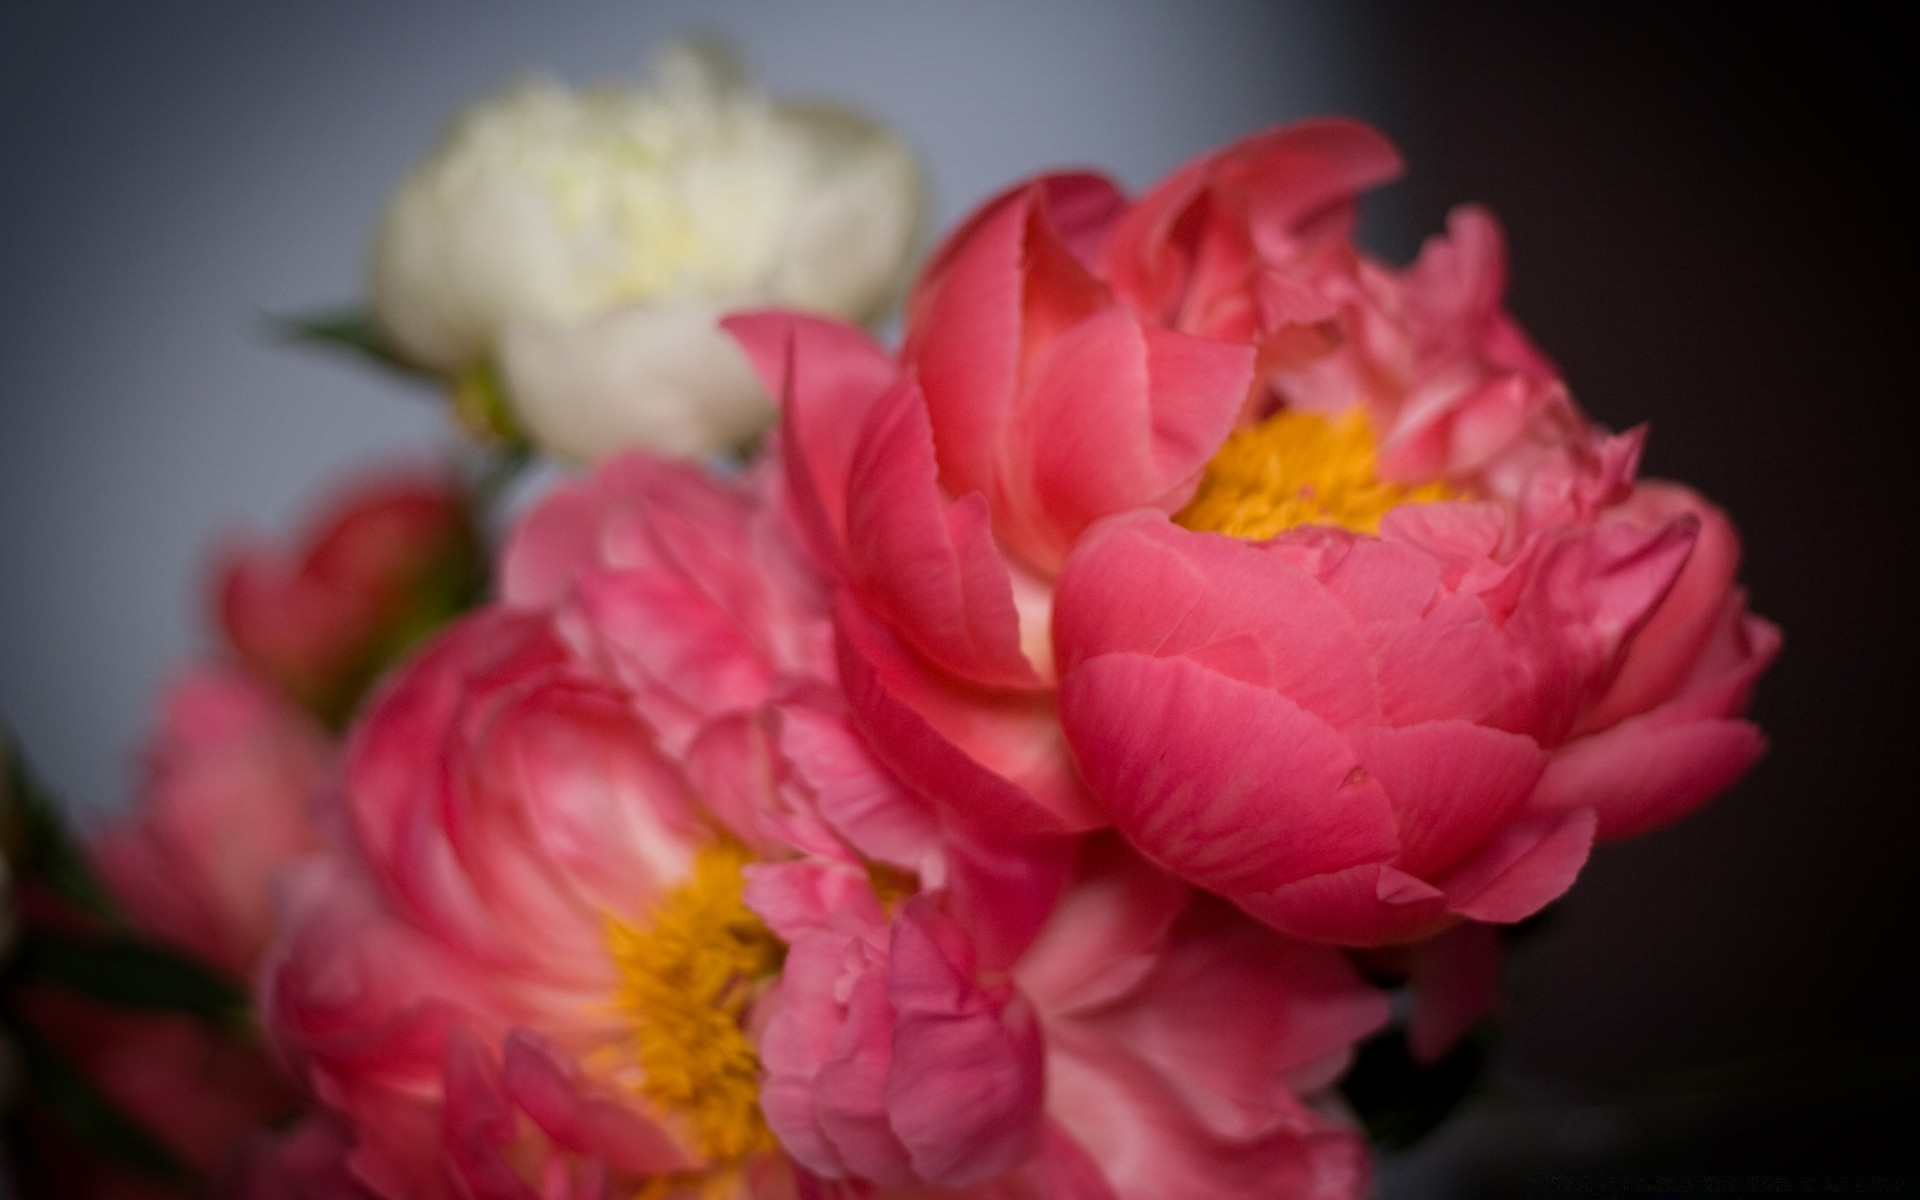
<point>585,243</point>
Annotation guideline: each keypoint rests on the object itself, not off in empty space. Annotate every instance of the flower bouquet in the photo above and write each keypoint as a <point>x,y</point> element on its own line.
<point>1089,748</point>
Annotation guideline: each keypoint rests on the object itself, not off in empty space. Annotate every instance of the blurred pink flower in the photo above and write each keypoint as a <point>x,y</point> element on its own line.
<point>1305,573</point>
<point>226,805</point>
<point>197,1089</point>
<point>305,1162</point>
<point>389,558</point>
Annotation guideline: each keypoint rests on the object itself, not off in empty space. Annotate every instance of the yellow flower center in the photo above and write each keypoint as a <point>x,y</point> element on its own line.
<point>1297,468</point>
<point>688,978</point>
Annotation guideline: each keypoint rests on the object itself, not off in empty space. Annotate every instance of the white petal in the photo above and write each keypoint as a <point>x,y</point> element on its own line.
<point>665,378</point>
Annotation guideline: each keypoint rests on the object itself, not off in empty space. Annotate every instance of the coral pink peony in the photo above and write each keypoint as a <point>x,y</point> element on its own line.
<point>389,559</point>
<point>231,777</point>
<point>1304,573</point>
<point>534,974</point>
<point>1142,1042</point>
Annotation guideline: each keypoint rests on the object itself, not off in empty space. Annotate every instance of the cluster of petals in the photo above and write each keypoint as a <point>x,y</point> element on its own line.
<point>1359,735</point>
<point>960,1011</point>
<point>1064,1023</point>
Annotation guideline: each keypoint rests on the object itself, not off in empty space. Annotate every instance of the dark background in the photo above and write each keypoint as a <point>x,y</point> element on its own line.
<point>1712,229</point>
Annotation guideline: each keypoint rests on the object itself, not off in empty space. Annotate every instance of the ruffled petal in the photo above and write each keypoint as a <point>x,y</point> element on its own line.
<point>1141,584</point>
<point>1125,417</point>
<point>1233,787</point>
<point>995,759</point>
<point>933,569</point>
<point>966,1087</point>
<point>1526,866</point>
<point>1452,784</point>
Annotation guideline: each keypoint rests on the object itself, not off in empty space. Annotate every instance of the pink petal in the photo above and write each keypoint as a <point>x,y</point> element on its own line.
<point>856,796</point>
<point>997,293</point>
<point>1150,1147</point>
<point>1233,787</point>
<point>1523,869</point>
<point>965,1090</point>
<point>583,1117</point>
<point>1233,1014</point>
<point>1590,594</point>
<point>1139,583</point>
<point>934,570</point>
<point>1369,905</point>
<point>1678,631</point>
<point>1100,940</point>
<point>805,1010</point>
<point>996,759</point>
<point>1124,417</point>
<point>812,896</point>
<point>1004,889</point>
<point>479,1124</point>
<point>827,376</point>
<point>1278,186</point>
<point>1452,784</point>
<point>1645,772</point>
<point>850,1089</point>
<point>1448,662</point>
<point>551,544</point>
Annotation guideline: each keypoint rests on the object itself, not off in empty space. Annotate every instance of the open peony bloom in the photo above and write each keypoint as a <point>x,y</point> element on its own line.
<point>232,774</point>
<point>1141,1042</point>
<point>585,244</point>
<point>1304,573</point>
<point>534,973</point>
<point>388,558</point>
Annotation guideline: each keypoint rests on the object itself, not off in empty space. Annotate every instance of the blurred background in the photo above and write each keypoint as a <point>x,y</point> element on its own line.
<point>1711,229</point>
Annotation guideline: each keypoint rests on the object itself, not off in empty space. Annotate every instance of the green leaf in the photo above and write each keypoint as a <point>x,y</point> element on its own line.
<point>35,837</point>
<point>1401,1101</point>
<point>130,971</point>
<point>352,330</point>
<point>90,1115</point>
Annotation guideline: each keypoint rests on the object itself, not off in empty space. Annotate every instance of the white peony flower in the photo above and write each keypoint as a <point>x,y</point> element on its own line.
<point>585,244</point>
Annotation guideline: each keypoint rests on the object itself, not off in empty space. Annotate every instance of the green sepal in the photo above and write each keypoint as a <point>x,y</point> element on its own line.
<point>129,971</point>
<point>36,841</point>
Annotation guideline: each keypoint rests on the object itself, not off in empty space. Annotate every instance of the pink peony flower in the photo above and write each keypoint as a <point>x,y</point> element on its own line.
<point>390,558</point>
<point>1142,1042</point>
<point>1304,573</point>
<point>231,777</point>
<point>534,974</point>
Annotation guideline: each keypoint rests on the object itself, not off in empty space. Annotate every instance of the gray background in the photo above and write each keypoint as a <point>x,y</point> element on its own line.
<point>1711,227</point>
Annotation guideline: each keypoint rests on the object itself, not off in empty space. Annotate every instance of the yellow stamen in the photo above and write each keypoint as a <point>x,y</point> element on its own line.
<point>689,976</point>
<point>1297,468</point>
<point>891,885</point>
